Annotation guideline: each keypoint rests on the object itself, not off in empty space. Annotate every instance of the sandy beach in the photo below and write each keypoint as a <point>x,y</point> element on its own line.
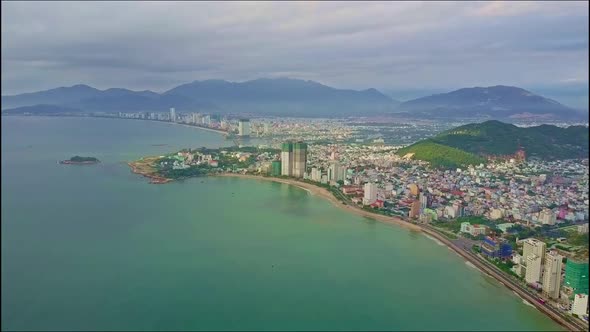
<point>428,231</point>
<point>322,192</point>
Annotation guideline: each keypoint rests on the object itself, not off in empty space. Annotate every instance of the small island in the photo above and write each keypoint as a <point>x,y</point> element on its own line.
<point>77,160</point>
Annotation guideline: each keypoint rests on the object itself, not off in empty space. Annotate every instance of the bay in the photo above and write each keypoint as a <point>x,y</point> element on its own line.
<point>98,248</point>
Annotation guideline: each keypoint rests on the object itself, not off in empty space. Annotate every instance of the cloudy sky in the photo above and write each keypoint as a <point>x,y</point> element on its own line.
<point>397,47</point>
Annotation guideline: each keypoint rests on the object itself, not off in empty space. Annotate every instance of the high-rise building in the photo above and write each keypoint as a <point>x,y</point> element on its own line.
<point>414,190</point>
<point>576,276</point>
<point>533,246</point>
<point>172,114</point>
<point>370,193</point>
<point>196,118</point>
<point>533,269</point>
<point>335,172</point>
<point>276,168</point>
<point>547,217</point>
<point>206,120</point>
<point>287,159</point>
<point>244,128</point>
<point>316,174</point>
<point>299,159</point>
<point>423,201</point>
<point>415,209</point>
<point>552,274</point>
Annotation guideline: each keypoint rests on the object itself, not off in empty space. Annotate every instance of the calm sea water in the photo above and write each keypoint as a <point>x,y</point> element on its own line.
<point>98,248</point>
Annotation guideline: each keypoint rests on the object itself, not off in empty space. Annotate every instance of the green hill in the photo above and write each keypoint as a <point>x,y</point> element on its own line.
<point>495,138</point>
<point>439,155</point>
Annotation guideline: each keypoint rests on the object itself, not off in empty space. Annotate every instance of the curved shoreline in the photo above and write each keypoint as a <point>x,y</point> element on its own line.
<point>322,192</point>
<point>430,233</point>
<point>478,263</point>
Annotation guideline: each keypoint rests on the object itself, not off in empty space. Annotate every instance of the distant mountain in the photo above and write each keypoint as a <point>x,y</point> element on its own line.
<point>496,102</point>
<point>494,138</point>
<point>285,96</point>
<point>281,96</point>
<point>58,96</point>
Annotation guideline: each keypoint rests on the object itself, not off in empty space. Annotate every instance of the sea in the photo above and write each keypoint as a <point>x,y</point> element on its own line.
<point>96,247</point>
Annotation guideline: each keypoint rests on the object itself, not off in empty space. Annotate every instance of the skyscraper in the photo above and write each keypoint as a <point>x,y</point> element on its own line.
<point>370,193</point>
<point>276,168</point>
<point>414,190</point>
<point>244,127</point>
<point>335,172</point>
<point>533,269</point>
<point>415,209</point>
<point>299,159</point>
<point>533,246</point>
<point>206,120</point>
<point>172,114</point>
<point>287,159</point>
<point>423,201</point>
<point>552,274</point>
<point>533,253</point>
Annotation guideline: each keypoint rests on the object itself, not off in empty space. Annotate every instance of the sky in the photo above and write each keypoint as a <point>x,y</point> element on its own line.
<point>401,48</point>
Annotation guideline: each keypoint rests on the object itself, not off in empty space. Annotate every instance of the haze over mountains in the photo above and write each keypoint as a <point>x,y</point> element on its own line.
<point>293,97</point>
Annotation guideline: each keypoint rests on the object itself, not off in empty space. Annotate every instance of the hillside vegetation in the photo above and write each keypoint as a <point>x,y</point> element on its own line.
<point>498,138</point>
<point>470,144</point>
<point>439,155</point>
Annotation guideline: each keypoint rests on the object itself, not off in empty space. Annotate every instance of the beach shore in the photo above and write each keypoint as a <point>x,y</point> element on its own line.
<point>430,232</point>
<point>476,262</point>
<point>322,192</point>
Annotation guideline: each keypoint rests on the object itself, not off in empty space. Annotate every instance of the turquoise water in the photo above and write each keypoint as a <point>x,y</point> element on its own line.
<point>98,248</point>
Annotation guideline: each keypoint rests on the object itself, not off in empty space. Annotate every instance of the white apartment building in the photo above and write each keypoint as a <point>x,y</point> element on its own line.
<point>370,193</point>
<point>533,269</point>
<point>552,274</point>
<point>580,305</point>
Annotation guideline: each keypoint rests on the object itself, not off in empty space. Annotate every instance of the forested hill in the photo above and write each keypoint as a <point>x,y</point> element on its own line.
<point>495,138</point>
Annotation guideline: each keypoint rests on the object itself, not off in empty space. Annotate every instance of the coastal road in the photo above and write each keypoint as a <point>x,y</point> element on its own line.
<point>500,276</point>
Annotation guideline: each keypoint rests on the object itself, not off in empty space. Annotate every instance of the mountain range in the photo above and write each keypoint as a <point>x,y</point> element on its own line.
<point>496,102</point>
<point>293,97</point>
<point>473,143</point>
<point>281,96</point>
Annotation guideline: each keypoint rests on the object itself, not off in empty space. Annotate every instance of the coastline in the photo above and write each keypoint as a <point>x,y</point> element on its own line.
<point>191,126</point>
<point>432,234</point>
<point>322,192</point>
<point>154,179</point>
<point>427,231</point>
<point>117,118</point>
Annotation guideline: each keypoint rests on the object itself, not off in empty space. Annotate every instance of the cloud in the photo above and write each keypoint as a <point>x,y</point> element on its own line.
<point>156,45</point>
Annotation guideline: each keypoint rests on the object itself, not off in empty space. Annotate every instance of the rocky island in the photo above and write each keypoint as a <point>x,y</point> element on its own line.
<point>77,160</point>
